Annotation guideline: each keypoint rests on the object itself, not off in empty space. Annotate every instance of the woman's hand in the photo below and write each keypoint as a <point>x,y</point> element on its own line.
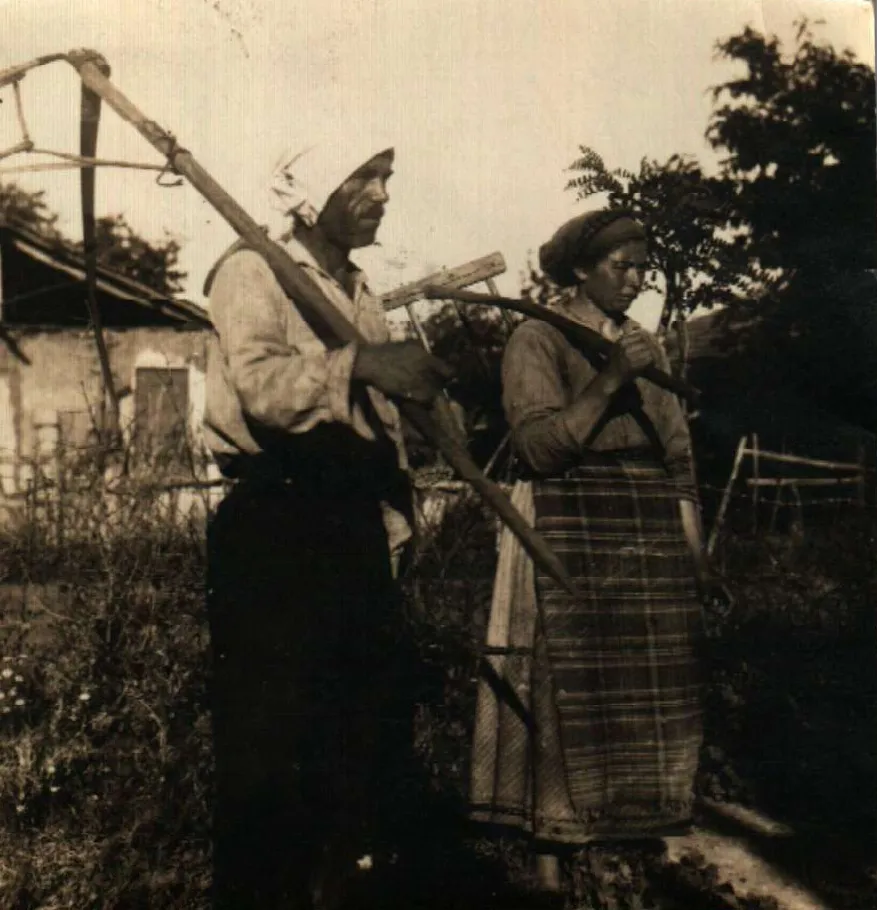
<point>632,353</point>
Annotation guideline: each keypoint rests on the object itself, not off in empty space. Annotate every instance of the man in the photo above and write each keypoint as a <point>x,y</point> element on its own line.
<point>303,609</point>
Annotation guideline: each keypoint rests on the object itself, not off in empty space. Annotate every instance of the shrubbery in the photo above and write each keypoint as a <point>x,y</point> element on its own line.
<point>105,760</point>
<point>105,753</point>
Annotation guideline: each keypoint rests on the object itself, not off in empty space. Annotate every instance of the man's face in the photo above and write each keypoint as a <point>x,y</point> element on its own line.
<point>352,216</point>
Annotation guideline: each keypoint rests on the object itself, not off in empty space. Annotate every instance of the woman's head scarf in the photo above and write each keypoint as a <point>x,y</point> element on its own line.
<point>585,240</point>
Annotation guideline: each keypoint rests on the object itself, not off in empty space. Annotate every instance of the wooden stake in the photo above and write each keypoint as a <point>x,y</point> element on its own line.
<point>775,508</point>
<point>509,324</point>
<point>420,331</point>
<point>778,496</point>
<point>799,509</point>
<point>418,328</point>
<point>755,483</point>
<point>726,496</point>
<point>499,450</point>
<point>806,462</point>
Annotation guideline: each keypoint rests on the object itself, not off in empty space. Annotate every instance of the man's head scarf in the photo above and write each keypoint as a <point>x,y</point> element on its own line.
<point>305,177</point>
<point>585,240</point>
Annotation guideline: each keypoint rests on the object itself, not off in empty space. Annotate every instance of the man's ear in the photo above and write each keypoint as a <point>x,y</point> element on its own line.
<point>580,273</point>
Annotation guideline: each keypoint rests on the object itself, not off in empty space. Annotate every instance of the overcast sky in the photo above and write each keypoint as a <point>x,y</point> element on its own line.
<point>487,100</point>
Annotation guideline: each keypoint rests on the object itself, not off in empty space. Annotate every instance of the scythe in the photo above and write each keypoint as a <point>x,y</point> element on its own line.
<point>332,326</point>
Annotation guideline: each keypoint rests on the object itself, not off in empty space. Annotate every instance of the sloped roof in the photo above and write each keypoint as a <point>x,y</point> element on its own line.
<point>43,281</point>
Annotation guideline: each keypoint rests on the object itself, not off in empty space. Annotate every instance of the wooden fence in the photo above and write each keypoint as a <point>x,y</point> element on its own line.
<point>778,480</point>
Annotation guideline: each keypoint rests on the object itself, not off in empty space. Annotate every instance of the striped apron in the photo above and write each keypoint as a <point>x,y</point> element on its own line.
<point>608,746</point>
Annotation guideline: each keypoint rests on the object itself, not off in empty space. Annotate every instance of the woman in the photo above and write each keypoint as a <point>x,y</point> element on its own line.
<point>592,725</point>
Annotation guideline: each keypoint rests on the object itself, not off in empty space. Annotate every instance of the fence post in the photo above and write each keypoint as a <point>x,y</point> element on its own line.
<point>726,496</point>
<point>797,529</point>
<point>60,492</point>
<point>755,476</point>
<point>778,495</point>
<point>46,432</point>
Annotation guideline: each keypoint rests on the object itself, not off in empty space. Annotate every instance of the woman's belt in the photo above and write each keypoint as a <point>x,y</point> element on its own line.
<point>602,458</point>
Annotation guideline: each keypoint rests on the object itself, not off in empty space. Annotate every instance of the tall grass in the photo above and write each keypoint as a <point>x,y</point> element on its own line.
<point>105,754</point>
<point>105,751</point>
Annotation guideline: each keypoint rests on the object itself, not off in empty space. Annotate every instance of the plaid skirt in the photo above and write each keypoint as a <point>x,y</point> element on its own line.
<point>588,721</point>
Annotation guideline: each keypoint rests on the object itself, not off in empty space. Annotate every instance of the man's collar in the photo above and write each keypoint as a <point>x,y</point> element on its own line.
<point>300,254</point>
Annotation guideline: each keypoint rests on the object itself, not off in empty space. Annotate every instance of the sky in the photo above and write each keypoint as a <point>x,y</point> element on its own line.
<point>487,102</point>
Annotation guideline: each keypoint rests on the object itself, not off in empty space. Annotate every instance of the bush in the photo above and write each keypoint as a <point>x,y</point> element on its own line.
<point>105,754</point>
<point>793,699</point>
<point>105,750</point>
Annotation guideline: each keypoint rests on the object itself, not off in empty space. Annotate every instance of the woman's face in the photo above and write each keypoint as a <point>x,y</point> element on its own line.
<point>616,280</point>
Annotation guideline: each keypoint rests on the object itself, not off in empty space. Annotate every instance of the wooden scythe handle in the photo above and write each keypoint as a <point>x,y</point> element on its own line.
<point>330,323</point>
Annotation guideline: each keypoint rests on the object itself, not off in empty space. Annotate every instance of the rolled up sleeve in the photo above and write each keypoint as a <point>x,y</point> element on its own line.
<point>680,466</point>
<point>279,386</point>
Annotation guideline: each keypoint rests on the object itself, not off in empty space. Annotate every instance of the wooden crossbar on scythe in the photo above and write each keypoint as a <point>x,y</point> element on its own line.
<point>447,281</point>
<point>327,322</point>
<point>485,268</point>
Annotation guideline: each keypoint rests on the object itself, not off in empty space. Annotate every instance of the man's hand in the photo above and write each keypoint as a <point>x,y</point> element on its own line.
<point>632,353</point>
<point>402,370</point>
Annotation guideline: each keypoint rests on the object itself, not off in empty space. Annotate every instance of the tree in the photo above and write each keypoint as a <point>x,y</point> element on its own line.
<point>798,136</point>
<point>698,260</point>
<point>151,263</point>
<point>120,249</point>
<point>21,208</point>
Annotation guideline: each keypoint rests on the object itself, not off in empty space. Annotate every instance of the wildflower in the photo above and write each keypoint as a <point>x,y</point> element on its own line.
<point>6,673</point>
<point>54,789</point>
<point>50,768</point>
<point>18,679</point>
<point>364,863</point>
<point>19,702</point>
<point>6,709</point>
<point>2,695</point>
<point>19,808</point>
<point>84,696</point>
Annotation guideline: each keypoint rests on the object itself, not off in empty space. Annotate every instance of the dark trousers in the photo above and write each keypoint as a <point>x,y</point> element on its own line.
<point>304,619</point>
